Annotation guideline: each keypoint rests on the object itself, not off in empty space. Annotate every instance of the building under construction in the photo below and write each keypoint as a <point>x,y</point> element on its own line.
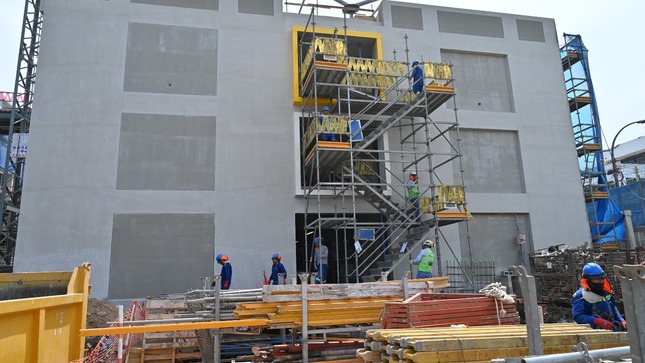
<point>164,134</point>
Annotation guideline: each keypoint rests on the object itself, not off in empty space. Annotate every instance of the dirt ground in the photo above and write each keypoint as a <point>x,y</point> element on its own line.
<point>100,313</point>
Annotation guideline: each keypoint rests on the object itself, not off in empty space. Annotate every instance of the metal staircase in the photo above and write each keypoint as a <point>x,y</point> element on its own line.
<point>373,105</point>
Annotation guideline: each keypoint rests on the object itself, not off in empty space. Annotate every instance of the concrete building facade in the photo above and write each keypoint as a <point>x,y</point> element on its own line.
<point>166,132</point>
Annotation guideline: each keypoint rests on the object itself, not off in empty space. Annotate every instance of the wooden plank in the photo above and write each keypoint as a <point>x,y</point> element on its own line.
<point>172,327</point>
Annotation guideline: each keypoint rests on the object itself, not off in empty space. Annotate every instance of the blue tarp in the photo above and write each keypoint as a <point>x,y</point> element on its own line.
<point>630,197</point>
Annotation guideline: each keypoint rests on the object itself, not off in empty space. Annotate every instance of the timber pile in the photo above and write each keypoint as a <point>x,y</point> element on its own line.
<point>478,344</point>
<point>280,293</point>
<point>319,313</point>
<point>444,310</point>
<point>330,304</point>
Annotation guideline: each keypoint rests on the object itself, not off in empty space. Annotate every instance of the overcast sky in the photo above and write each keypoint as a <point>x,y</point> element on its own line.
<point>612,31</point>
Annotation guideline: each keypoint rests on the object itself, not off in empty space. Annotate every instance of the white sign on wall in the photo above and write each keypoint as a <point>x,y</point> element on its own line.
<point>19,145</point>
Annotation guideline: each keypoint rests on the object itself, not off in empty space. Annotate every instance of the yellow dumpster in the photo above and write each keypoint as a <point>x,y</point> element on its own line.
<point>41,315</point>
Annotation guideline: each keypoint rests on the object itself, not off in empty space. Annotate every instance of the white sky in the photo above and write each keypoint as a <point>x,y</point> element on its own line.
<point>613,33</point>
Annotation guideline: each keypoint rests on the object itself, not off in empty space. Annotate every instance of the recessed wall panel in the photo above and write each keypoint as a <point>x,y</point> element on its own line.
<point>491,160</point>
<point>530,30</point>
<point>166,152</point>
<point>159,253</point>
<point>194,4</point>
<point>498,233</point>
<point>258,7</point>
<point>171,59</point>
<point>471,24</point>
<point>482,81</point>
<point>407,17</point>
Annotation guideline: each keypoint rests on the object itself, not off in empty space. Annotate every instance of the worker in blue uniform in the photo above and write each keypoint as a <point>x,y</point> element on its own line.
<point>417,77</point>
<point>594,302</point>
<point>227,271</point>
<point>325,117</point>
<point>277,268</point>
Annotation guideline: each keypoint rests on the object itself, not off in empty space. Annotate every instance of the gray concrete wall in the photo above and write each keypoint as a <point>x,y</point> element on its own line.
<point>95,84</point>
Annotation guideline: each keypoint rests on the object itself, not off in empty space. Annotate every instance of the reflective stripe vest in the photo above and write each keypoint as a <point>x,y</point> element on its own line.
<point>426,262</point>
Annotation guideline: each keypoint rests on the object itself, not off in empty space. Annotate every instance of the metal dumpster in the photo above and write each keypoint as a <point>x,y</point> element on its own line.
<point>41,315</point>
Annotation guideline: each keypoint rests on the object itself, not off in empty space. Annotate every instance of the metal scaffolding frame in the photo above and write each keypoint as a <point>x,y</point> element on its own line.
<point>588,139</point>
<point>16,127</point>
<point>370,98</point>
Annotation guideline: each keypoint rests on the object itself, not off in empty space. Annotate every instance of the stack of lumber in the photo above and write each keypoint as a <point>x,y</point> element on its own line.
<point>330,304</point>
<point>444,310</point>
<point>166,346</point>
<point>320,313</point>
<point>478,344</point>
<point>279,293</point>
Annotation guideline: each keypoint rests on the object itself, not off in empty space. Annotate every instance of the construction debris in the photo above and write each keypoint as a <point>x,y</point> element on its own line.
<point>478,344</point>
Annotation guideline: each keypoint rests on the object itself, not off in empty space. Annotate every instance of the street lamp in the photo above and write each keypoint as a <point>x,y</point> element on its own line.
<point>611,151</point>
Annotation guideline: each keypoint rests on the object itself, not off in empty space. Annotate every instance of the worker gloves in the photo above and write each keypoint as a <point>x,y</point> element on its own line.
<point>604,324</point>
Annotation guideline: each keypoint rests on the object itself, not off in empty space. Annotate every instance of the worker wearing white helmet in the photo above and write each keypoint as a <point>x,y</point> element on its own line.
<point>424,259</point>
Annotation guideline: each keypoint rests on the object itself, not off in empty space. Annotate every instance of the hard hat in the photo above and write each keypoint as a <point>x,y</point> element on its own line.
<point>276,257</point>
<point>317,240</point>
<point>593,271</point>
<point>221,257</point>
<point>325,108</point>
<point>415,62</point>
<point>413,172</point>
<point>428,243</point>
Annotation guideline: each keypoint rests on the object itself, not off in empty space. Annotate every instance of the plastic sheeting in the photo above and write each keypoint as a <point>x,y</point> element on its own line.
<point>631,197</point>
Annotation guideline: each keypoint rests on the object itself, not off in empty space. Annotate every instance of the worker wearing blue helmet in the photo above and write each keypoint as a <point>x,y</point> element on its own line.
<point>594,302</point>
<point>325,117</point>
<point>277,268</point>
<point>417,77</point>
<point>226,273</point>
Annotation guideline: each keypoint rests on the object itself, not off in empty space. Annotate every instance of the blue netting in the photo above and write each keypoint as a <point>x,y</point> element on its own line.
<point>630,197</point>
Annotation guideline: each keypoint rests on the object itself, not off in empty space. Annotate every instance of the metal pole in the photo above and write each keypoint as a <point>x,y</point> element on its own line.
<point>629,226</point>
<point>610,353</point>
<point>529,293</point>
<point>217,344</point>
<point>632,281</point>
<point>304,340</point>
<point>120,347</point>
<point>406,292</point>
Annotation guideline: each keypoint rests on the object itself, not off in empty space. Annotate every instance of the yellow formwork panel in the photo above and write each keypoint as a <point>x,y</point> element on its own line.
<point>44,328</point>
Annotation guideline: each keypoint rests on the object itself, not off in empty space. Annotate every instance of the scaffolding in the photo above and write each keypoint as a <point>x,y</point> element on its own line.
<point>14,131</point>
<point>602,213</point>
<point>349,165</point>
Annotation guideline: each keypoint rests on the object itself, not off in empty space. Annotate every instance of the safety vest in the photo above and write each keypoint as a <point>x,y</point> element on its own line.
<point>413,190</point>
<point>426,261</point>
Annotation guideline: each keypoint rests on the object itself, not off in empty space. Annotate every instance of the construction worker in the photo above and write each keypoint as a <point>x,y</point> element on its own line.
<point>226,273</point>
<point>413,194</point>
<point>424,259</point>
<point>277,268</point>
<point>320,256</point>
<point>417,77</point>
<point>594,302</point>
<point>325,117</point>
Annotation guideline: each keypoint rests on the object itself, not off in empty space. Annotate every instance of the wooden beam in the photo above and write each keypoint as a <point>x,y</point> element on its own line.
<point>172,327</point>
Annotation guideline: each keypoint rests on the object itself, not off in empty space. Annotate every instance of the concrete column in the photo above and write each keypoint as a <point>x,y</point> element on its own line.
<point>632,282</point>
<point>531,311</point>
